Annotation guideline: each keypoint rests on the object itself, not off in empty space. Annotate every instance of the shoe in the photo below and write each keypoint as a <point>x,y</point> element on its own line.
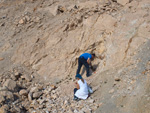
<point>76,99</point>
<point>87,75</point>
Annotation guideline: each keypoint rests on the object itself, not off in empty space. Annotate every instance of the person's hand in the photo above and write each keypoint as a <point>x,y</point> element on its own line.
<point>92,68</point>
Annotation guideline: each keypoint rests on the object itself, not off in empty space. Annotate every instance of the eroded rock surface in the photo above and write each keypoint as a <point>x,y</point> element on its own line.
<point>41,40</point>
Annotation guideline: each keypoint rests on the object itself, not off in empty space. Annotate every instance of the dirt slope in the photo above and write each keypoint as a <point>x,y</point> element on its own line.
<point>40,41</point>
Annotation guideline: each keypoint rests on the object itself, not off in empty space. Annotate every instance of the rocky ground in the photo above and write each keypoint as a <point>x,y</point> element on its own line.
<point>20,94</point>
<point>40,41</point>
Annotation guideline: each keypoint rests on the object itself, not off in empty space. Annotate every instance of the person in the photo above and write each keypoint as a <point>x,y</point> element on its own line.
<point>85,59</point>
<point>81,90</point>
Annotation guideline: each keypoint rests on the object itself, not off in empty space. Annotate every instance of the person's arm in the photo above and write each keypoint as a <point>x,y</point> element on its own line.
<point>77,85</point>
<point>89,61</point>
<point>90,64</point>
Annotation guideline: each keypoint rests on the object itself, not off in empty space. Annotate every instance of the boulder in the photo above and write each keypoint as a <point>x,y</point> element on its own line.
<point>10,85</point>
<point>123,2</point>
<point>7,94</point>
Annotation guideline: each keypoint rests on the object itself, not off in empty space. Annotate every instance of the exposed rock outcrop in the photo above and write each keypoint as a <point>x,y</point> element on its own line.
<point>41,41</point>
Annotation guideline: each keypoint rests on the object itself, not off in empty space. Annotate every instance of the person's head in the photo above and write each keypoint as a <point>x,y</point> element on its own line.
<point>78,76</point>
<point>93,56</point>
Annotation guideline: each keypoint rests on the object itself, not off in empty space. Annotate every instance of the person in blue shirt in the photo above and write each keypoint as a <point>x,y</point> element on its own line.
<point>85,59</point>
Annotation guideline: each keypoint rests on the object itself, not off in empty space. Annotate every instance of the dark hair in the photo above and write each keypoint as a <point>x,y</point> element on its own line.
<point>82,80</point>
<point>93,54</point>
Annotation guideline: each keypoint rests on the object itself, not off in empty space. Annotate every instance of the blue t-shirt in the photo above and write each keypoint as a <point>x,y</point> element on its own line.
<point>86,55</point>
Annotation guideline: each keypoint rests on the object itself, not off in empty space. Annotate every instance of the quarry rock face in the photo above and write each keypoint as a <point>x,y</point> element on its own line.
<point>40,42</point>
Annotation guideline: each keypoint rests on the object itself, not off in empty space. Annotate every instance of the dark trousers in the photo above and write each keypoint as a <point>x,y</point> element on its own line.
<point>75,89</point>
<point>82,61</point>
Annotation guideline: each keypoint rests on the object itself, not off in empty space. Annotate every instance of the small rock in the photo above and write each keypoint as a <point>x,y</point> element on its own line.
<point>54,10</point>
<point>34,103</point>
<point>53,91</point>
<point>3,17</point>
<point>76,111</point>
<point>21,21</point>
<point>13,77</point>
<point>70,110</point>
<point>34,89</point>
<point>91,101</point>
<point>100,104</point>
<point>66,102</point>
<point>54,96</point>
<point>53,87</point>
<point>17,109</point>
<point>41,106</point>
<point>121,105</point>
<point>46,111</point>
<point>117,79</point>
<point>123,2</point>
<point>15,102</point>
<point>17,74</point>
<point>1,58</point>
<point>148,98</point>
<point>41,101</point>
<point>27,77</point>
<point>71,7</point>
<point>30,96</point>
<point>37,94</point>
<point>32,76</point>
<point>37,19</point>
<point>61,9</point>
<point>94,108</point>
<point>111,91</point>
<point>130,88</point>
<point>3,24</point>
<point>27,18</point>
<point>63,106</point>
<point>23,92</point>
<point>33,111</point>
